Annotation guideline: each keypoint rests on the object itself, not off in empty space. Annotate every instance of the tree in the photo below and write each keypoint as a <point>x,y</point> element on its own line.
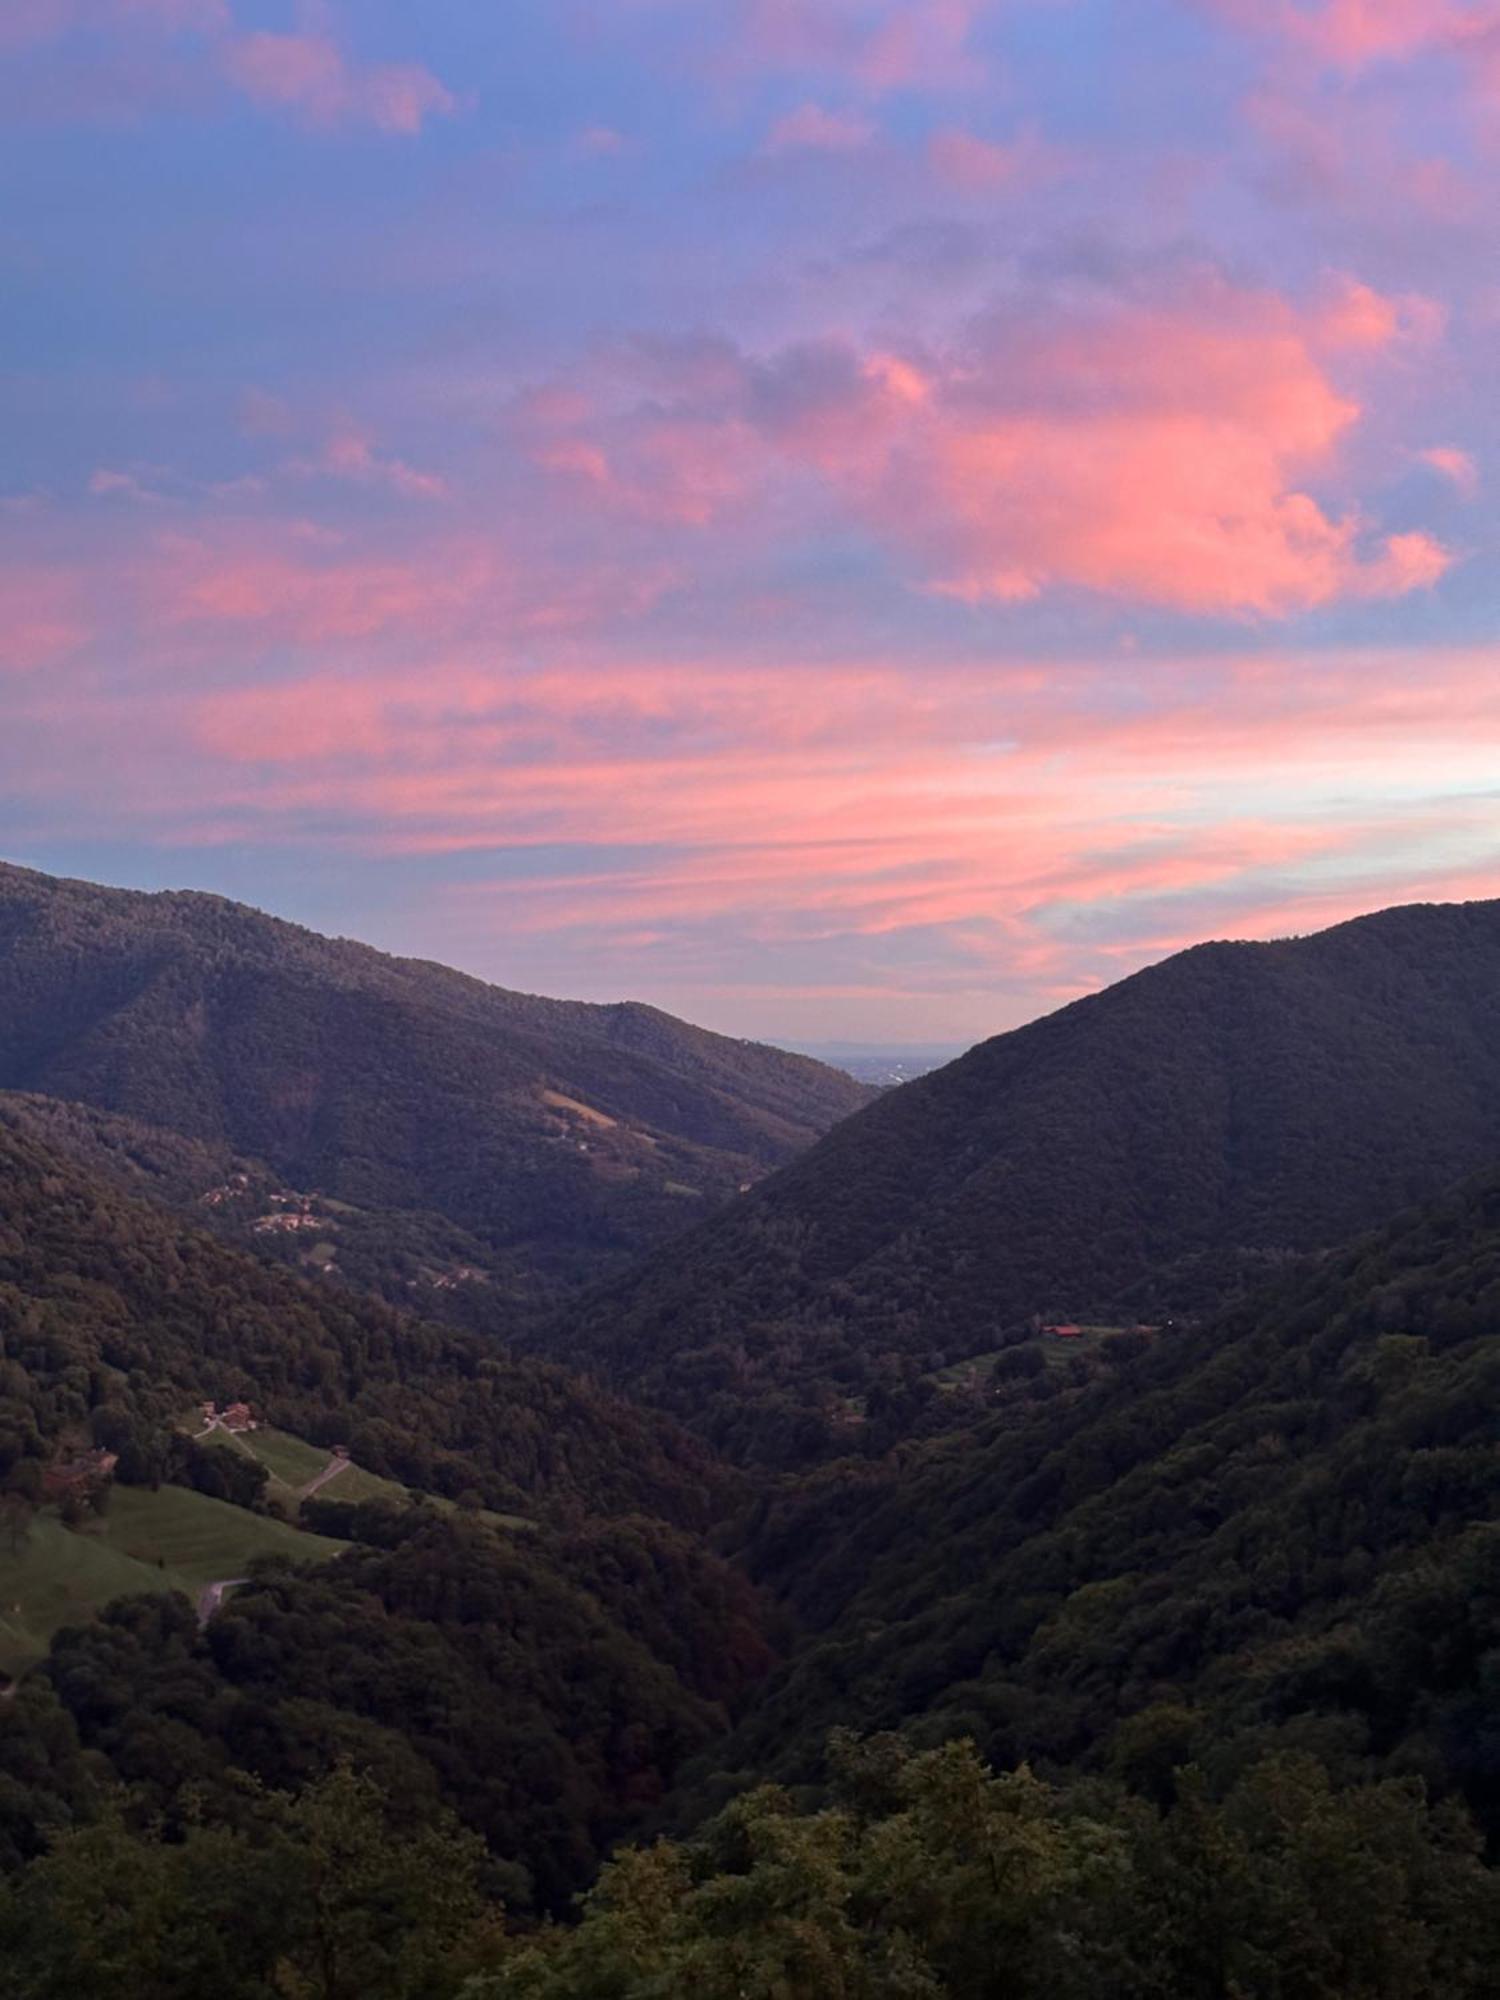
<point>17,1512</point>
<point>313,1898</point>
<point>375,1914</point>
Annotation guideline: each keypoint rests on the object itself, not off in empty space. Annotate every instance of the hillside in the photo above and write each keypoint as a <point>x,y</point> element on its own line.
<point>114,1319</point>
<point>144,1543</point>
<point>416,1260</point>
<point>558,1137</point>
<point>1137,1155</point>
<point>1276,1534</point>
<point>544,1678</point>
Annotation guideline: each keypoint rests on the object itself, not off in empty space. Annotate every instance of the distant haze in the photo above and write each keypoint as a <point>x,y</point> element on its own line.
<point>882,1063</point>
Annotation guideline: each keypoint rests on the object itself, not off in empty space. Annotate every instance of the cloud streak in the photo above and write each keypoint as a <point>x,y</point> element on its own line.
<point>813,513</point>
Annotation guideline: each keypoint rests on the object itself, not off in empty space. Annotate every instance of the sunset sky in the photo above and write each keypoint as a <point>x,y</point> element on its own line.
<point>844,519</point>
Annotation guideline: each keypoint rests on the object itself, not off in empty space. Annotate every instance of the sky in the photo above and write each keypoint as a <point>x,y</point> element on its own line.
<point>846,519</point>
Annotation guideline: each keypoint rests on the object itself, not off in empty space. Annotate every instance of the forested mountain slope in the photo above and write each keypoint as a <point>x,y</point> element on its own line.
<point>543,1678</point>
<point>114,1319</point>
<point>1279,1531</point>
<point>561,1137</point>
<point>1133,1156</point>
<point>416,1260</point>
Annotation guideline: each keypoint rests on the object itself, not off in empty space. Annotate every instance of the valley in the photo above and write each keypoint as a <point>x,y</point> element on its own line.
<point>899,1505</point>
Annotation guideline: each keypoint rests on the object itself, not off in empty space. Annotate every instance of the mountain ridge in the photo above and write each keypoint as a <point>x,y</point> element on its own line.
<point>564,1134</point>
<point>1136,1155</point>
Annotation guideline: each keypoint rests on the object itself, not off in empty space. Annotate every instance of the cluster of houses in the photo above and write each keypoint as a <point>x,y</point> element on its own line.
<point>234,1189</point>
<point>235,1417</point>
<point>288,1222</point>
<point>461,1274</point>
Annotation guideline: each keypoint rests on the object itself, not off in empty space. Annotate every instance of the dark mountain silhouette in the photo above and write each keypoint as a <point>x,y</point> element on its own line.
<point>1135,1155</point>
<point>560,1137</point>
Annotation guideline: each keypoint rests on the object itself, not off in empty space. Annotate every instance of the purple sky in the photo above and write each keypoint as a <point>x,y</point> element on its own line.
<point>845,519</point>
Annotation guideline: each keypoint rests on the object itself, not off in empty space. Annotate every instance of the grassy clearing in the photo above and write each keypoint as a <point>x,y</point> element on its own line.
<point>293,1464</point>
<point>485,1514</point>
<point>289,1459</point>
<point>199,1540</point>
<point>356,1484</point>
<point>55,1579</point>
<point>147,1542</point>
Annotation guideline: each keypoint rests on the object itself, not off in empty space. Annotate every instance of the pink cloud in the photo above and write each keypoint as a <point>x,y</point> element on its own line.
<point>1356,35</point>
<point>1159,452</point>
<point>310,76</point>
<point>1153,454</point>
<point>994,825</point>
<point>999,813</point>
<point>30,23</point>
<point>601,142</point>
<point>309,590</point>
<point>1456,466</point>
<point>811,129</point>
<point>976,165</point>
<point>349,453</point>
<point>42,619</point>
<point>880,45</point>
<point>107,483</point>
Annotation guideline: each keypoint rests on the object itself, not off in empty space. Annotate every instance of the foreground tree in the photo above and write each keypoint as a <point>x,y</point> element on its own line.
<point>317,1898</point>
<point>931,1876</point>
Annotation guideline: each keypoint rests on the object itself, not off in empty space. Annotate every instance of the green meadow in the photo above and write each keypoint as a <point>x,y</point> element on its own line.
<point>168,1540</point>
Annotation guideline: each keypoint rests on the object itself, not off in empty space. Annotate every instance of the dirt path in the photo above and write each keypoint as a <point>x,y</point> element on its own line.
<point>211,1596</point>
<point>330,1471</point>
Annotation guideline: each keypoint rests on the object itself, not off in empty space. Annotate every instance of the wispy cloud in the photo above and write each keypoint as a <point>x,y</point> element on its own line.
<point>309,74</point>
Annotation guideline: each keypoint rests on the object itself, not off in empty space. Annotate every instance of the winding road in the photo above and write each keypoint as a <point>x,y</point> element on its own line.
<point>211,1596</point>
<point>330,1471</point>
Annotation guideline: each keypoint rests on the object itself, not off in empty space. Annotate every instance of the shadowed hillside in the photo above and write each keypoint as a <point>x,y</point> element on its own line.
<point>1136,1155</point>
<point>114,1319</point>
<point>1278,1532</point>
<point>544,1677</point>
<point>558,1137</point>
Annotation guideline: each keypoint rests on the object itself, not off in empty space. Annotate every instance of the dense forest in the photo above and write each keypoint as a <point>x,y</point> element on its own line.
<point>544,1684</point>
<point>1276,1532</point>
<point>1161,1663</point>
<point>1221,1629</point>
<point>506,1679</point>
<point>414,1259</point>
<point>114,1318</point>
<point>1145,1154</point>
<point>561,1138</point>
